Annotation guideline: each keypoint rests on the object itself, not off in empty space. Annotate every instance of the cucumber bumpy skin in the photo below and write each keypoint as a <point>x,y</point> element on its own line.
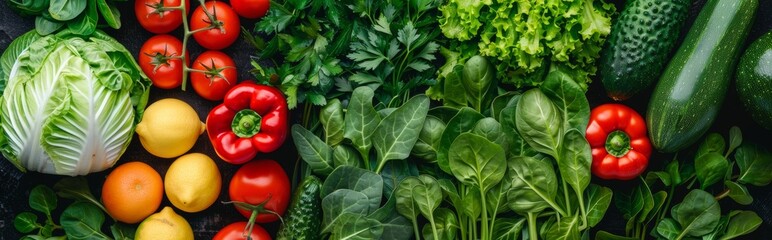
<point>754,80</point>
<point>690,93</point>
<point>640,45</point>
<point>303,220</point>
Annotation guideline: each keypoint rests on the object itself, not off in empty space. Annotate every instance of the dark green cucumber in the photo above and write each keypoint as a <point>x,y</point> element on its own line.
<point>640,45</point>
<point>303,220</point>
<point>691,91</point>
<point>754,80</point>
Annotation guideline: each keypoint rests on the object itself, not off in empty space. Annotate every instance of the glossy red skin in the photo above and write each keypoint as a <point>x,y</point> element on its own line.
<point>168,76</point>
<point>154,22</point>
<point>257,182</point>
<point>266,101</point>
<point>214,39</point>
<point>235,231</point>
<point>252,9</point>
<point>605,119</point>
<point>213,89</point>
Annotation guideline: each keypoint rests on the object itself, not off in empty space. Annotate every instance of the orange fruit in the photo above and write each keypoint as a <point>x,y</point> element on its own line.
<point>132,191</point>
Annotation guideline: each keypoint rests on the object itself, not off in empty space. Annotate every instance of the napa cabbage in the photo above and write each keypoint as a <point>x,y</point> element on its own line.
<point>69,103</point>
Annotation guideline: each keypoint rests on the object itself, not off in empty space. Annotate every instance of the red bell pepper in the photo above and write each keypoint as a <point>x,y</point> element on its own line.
<point>251,119</point>
<point>620,147</point>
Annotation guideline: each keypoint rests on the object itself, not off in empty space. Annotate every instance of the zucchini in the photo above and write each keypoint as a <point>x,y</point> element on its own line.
<point>640,44</point>
<point>754,80</point>
<point>691,91</point>
<point>304,216</point>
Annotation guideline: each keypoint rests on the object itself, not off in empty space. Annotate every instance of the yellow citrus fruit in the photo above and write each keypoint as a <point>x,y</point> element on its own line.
<point>169,128</point>
<point>193,182</point>
<point>164,225</point>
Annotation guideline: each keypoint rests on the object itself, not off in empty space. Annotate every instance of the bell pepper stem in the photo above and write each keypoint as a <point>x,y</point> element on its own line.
<point>618,143</point>
<point>246,123</point>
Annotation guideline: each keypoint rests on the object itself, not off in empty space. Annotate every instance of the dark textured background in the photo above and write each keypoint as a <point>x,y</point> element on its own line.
<point>15,186</point>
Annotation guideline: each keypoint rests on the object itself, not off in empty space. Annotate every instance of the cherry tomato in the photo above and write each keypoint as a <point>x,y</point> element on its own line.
<point>261,182</point>
<point>158,59</point>
<point>159,21</point>
<point>251,8</point>
<point>220,75</point>
<point>226,25</point>
<point>235,231</point>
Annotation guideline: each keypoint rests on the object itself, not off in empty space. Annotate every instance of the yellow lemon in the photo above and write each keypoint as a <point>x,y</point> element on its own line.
<point>193,182</point>
<point>169,128</point>
<point>164,225</point>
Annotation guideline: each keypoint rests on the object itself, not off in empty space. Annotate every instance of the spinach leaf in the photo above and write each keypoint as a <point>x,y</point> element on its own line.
<point>669,228</point>
<point>659,201</point>
<point>470,203</point>
<point>344,155</point>
<point>534,185</point>
<point>517,145</point>
<point>642,193</point>
<point>65,10</point>
<point>629,205</point>
<point>83,220</point>
<point>394,225</point>
<point>599,199</point>
<point>575,160</point>
<point>475,161</point>
<point>493,131</point>
<point>393,173</point>
<point>385,112</point>
<point>429,139</point>
<point>496,198</point>
<point>478,81</point>
<point>449,190</point>
<point>711,168</point>
<point>503,101</point>
<point>455,94</point>
<point>735,139</point>
<point>742,223</point>
<point>697,214</point>
<point>86,23</point>
<point>569,98</point>
<point>110,14</point>
<point>42,199</point>
<point>443,113</point>
<point>739,193</point>
<point>539,122</point>
<point>331,118</point>
<point>404,199</point>
<point>395,136</point>
<point>341,201</point>
<point>356,179</point>
<point>361,120</point>
<point>122,231</point>
<point>603,235</point>
<point>755,165</point>
<point>26,222</point>
<point>427,195</point>
<point>313,150</point>
<point>354,226</point>
<point>45,26</point>
<point>446,223</point>
<point>508,228</point>
<point>463,122</point>
<point>76,188</point>
<point>565,229</point>
<point>714,143</point>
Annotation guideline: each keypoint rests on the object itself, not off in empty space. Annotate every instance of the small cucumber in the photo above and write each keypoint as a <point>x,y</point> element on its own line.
<point>754,80</point>
<point>303,220</point>
<point>692,89</point>
<point>640,44</point>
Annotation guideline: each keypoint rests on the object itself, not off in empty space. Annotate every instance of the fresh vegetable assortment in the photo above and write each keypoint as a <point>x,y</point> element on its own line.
<point>420,119</point>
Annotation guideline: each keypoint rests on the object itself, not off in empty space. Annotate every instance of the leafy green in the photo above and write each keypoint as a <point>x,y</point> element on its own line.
<point>356,179</point>
<point>429,139</point>
<point>755,164</point>
<point>388,46</point>
<point>87,124</point>
<point>395,136</point>
<point>742,223</point>
<point>339,202</point>
<point>534,185</point>
<point>697,214</point>
<point>331,117</point>
<point>539,121</point>
<point>313,150</point>
<point>527,38</point>
<point>78,227</point>
<point>463,121</point>
<point>80,16</point>
<point>361,119</point>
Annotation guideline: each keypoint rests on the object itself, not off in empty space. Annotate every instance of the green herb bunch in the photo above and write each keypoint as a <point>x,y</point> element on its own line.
<point>330,48</point>
<point>81,16</point>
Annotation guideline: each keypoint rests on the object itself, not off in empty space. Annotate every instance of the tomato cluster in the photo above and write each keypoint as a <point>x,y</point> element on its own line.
<point>215,25</point>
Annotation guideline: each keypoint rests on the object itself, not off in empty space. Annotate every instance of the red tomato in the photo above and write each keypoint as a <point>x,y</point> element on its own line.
<point>251,8</point>
<point>235,231</point>
<point>226,25</point>
<point>155,59</point>
<point>159,21</point>
<point>261,182</point>
<point>221,75</point>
